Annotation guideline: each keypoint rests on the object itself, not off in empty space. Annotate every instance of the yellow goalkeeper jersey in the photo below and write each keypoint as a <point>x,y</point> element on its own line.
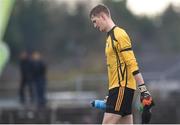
<point>121,62</point>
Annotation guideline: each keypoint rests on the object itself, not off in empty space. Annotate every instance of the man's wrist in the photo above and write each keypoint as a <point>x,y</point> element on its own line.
<point>142,88</point>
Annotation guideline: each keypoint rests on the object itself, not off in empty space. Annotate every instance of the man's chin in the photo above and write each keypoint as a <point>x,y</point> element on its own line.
<point>102,30</point>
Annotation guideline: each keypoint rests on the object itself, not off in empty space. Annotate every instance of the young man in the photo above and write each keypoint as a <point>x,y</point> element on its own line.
<point>123,71</point>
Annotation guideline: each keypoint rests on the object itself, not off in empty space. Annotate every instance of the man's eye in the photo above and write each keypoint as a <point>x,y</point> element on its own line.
<point>94,21</point>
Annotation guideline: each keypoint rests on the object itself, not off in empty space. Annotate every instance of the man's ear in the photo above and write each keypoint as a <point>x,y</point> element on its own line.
<point>104,16</point>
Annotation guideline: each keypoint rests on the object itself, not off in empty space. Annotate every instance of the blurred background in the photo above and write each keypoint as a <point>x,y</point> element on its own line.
<point>72,53</point>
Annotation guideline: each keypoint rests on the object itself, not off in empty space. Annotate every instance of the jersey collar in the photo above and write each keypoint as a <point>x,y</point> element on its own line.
<point>111,30</point>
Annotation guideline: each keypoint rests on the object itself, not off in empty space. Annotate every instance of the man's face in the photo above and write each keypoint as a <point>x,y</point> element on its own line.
<point>99,23</point>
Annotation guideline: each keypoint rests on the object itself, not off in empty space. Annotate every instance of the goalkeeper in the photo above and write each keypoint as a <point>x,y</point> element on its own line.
<point>123,71</point>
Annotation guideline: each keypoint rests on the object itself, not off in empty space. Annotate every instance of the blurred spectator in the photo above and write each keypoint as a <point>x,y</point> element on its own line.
<point>26,78</point>
<point>39,78</point>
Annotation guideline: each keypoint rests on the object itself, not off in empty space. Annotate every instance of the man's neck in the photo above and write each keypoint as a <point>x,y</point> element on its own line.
<point>110,25</point>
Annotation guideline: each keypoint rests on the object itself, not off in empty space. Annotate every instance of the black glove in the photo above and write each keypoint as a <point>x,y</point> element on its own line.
<point>146,115</point>
<point>147,103</point>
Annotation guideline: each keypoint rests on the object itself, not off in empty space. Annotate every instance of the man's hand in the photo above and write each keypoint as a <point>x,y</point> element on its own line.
<point>147,103</point>
<point>145,96</point>
<point>105,99</point>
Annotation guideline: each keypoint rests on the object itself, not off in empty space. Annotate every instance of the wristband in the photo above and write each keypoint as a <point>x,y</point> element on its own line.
<point>142,88</point>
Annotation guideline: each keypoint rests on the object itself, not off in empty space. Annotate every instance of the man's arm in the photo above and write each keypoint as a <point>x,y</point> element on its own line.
<point>139,79</point>
<point>146,98</point>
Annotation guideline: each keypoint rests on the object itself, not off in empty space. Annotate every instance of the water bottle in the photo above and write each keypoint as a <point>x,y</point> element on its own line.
<point>99,104</point>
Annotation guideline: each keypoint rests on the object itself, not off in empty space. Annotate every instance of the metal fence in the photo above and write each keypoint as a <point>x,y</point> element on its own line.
<point>69,101</point>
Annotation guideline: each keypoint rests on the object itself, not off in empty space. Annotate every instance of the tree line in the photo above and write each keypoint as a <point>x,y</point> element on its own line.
<point>51,29</point>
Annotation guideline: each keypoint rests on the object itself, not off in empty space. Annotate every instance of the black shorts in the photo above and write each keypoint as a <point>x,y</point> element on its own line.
<point>120,101</point>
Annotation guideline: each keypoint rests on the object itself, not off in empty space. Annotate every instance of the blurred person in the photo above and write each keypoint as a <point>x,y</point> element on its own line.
<point>39,78</point>
<point>26,78</point>
<point>123,70</point>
